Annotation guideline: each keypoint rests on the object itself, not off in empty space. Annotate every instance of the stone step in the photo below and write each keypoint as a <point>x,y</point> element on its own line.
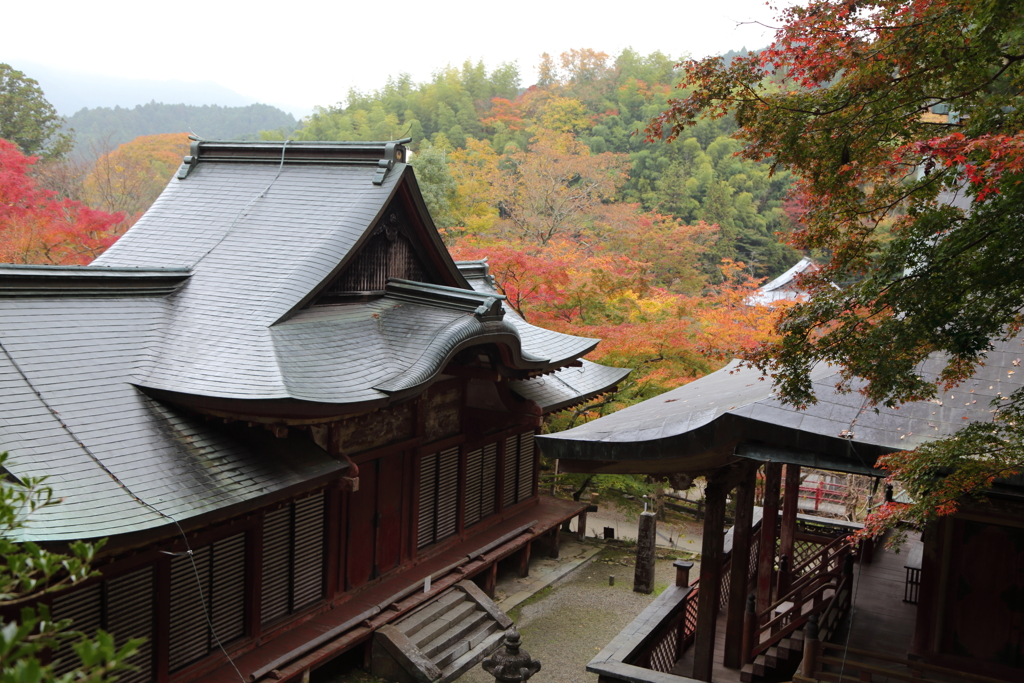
<point>442,624</point>
<point>456,632</point>
<point>412,624</point>
<point>466,644</point>
<point>462,664</point>
<point>442,640</point>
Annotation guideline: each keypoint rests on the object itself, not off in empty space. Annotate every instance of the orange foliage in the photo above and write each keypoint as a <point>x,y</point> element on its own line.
<point>596,291</point>
<point>130,178</point>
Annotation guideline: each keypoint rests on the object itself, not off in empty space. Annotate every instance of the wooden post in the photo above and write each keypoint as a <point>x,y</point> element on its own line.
<point>812,648</point>
<point>555,535</point>
<point>738,577</point>
<point>710,579</point>
<point>769,524</point>
<point>524,560</point>
<point>491,579</point>
<point>646,535</point>
<point>749,630</point>
<point>787,534</point>
<point>581,525</point>
<point>682,572</point>
<point>782,584</point>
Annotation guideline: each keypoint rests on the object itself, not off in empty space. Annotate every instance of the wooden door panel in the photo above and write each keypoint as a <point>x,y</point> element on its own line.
<point>362,506</point>
<point>389,511</point>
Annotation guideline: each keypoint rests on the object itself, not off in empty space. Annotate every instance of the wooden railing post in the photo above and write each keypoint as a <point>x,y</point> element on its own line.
<point>749,630</point>
<point>812,648</point>
<point>782,584</point>
<point>682,572</point>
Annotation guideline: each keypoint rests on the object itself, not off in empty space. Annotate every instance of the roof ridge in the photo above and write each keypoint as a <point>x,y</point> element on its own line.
<point>90,281</point>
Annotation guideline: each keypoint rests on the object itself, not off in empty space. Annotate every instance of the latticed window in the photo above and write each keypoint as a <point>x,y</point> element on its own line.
<point>519,464</point>
<point>218,579</point>
<point>481,481</point>
<point>439,497</point>
<point>129,614</point>
<point>293,558</point>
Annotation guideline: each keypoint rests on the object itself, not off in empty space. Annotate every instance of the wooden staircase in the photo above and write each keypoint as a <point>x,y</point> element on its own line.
<point>821,593</point>
<point>442,639</point>
<point>785,655</point>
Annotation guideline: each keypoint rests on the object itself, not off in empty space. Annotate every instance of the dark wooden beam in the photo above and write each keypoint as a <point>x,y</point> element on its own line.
<point>710,577</point>
<point>787,534</point>
<point>742,534</point>
<point>769,525</point>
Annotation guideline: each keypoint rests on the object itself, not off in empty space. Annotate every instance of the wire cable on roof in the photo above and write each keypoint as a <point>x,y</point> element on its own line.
<point>127,489</point>
<point>242,212</point>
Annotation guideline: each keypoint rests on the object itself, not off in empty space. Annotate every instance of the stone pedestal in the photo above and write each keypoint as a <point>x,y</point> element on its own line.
<point>643,578</point>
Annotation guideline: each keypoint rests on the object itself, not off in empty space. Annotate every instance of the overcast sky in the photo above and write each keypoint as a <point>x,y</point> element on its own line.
<point>308,53</point>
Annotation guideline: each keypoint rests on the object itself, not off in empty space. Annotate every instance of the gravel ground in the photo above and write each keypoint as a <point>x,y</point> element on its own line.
<point>565,625</point>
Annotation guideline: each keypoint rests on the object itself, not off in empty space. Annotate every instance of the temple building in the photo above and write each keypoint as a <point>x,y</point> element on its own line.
<point>783,595</point>
<point>302,427</point>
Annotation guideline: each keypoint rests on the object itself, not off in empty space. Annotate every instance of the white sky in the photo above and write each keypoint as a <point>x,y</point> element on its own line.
<point>307,53</point>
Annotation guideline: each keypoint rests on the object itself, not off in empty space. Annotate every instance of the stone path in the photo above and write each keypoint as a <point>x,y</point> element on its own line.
<point>568,623</point>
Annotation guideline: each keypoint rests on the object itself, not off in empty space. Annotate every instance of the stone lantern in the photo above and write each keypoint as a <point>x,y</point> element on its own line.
<point>510,664</point>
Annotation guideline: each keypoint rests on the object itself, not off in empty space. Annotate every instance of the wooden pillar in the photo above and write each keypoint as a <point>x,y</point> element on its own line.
<point>555,536</point>
<point>524,560</point>
<point>490,579</point>
<point>749,630</point>
<point>769,524</point>
<point>710,579</point>
<point>739,576</point>
<point>787,534</point>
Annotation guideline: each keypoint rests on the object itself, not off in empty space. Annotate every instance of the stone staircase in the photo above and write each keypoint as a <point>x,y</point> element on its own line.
<point>442,639</point>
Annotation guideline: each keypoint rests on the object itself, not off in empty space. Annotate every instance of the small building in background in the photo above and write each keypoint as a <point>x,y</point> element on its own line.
<point>785,287</point>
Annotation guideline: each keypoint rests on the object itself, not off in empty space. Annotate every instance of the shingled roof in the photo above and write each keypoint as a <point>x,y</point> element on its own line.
<point>214,300</point>
<point>563,388</point>
<point>735,412</point>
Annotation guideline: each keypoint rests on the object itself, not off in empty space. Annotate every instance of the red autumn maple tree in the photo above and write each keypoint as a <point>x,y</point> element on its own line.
<point>903,121</point>
<point>37,227</point>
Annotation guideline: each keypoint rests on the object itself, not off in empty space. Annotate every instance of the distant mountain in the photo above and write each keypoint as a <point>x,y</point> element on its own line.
<point>104,128</point>
<point>69,91</point>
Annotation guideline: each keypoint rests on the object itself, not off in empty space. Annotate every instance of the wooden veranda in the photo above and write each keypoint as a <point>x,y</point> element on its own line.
<point>879,620</point>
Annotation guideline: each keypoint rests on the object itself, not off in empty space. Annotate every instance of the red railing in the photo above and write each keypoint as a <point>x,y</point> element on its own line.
<point>823,492</point>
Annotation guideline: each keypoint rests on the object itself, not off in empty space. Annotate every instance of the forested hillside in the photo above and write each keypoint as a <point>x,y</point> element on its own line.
<point>604,104</point>
<point>589,228</point>
<point>102,129</point>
